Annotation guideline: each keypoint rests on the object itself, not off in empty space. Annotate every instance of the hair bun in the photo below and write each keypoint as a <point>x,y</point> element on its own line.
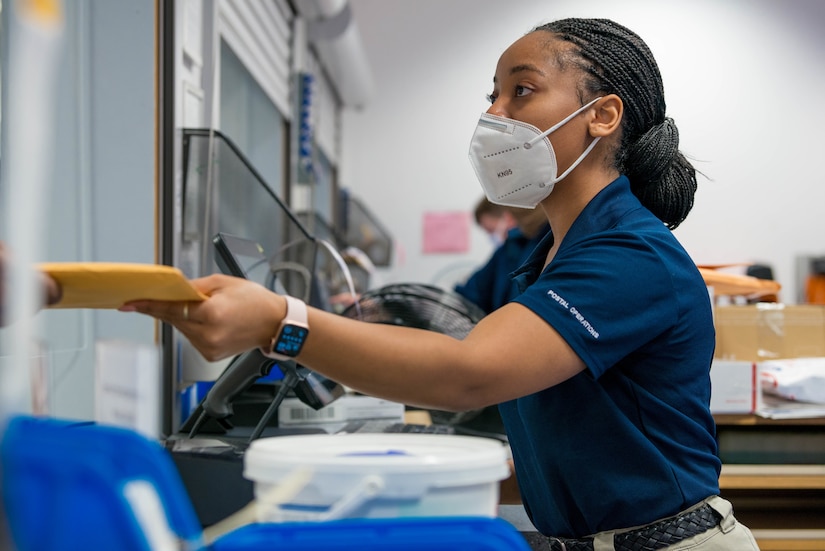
<point>660,176</point>
<point>653,152</point>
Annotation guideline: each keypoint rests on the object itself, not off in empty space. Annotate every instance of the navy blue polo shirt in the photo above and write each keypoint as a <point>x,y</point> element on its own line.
<point>630,439</point>
<point>491,286</point>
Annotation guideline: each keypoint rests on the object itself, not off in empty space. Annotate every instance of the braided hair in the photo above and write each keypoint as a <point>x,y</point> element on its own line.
<point>614,60</point>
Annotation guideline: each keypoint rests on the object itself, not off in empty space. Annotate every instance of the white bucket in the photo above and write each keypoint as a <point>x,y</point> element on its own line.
<point>366,475</point>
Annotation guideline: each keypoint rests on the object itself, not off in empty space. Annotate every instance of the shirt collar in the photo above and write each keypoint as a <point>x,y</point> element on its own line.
<point>602,212</point>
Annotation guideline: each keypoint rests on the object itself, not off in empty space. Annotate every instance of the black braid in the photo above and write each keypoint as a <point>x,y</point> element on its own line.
<point>616,61</point>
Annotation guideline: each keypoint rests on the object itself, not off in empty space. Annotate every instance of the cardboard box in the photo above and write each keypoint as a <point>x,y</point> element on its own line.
<point>734,387</point>
<point>742,387</point>
<point>748,335</point>
<point>768,331</point>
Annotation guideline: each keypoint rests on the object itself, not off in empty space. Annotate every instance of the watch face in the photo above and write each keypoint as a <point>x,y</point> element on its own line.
<point>290,340</point>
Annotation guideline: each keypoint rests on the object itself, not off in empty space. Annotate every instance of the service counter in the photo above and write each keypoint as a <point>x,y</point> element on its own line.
<point>773,472</point>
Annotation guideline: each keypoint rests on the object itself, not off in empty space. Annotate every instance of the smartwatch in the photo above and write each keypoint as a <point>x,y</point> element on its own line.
<point>292,332</point>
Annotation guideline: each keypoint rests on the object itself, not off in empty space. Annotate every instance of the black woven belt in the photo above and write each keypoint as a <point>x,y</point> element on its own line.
<point>652,536</point>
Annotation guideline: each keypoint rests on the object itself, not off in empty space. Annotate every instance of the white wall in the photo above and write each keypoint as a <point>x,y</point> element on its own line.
<point>743,79</point>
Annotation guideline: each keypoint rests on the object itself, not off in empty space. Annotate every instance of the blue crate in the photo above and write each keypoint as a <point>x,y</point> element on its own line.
<point>63,490</point>
<point>63,487</point>
<point>397,534</point>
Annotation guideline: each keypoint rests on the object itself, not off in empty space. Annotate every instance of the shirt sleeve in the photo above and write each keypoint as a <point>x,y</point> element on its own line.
<point>607,299</point>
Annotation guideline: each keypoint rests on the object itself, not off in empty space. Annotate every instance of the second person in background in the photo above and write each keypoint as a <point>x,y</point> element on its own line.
<point>492,285</point>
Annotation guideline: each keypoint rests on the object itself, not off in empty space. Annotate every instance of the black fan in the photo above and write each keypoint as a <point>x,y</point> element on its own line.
<point>424,307</point>
<point>417,305</point>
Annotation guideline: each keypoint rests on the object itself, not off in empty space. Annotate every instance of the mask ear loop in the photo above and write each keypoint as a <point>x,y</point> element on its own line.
<point>561,123</point>
<point>580,159</point>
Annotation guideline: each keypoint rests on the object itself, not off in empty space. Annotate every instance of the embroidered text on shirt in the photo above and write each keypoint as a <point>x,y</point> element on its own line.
<point>578,315</point>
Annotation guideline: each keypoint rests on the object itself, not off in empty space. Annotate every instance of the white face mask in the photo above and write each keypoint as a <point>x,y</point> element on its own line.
<point>496,239</point>
<point>515,161</point>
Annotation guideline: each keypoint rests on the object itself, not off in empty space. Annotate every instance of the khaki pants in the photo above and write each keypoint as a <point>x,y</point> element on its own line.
<point>730,535</point>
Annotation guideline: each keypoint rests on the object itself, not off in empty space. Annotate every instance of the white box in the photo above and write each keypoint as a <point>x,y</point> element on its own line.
<point>127,385</point>
<point>333,417</point>
<point>734,387</point>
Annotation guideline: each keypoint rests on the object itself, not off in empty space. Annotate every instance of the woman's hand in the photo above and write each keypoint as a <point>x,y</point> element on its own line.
<point>238,315</point>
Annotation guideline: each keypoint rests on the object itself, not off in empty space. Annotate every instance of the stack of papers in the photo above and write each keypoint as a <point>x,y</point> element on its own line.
<point>774,407</point>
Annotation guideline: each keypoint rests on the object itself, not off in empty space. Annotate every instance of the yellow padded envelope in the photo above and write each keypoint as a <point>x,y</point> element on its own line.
<point>111,285</point>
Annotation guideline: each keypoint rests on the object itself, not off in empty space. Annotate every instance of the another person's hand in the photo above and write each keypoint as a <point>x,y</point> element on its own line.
<point>52,292</point>
<point>50,289</point>
<point>342,301</point>
<point>239,315</point>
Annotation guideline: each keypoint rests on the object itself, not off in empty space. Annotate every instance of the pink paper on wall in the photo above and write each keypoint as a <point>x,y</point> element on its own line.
<point>446,232</point>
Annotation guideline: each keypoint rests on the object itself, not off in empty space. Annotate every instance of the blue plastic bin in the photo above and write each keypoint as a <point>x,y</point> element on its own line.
<point>397,534</point>
<point>63,483</point>
<point>62,488</point>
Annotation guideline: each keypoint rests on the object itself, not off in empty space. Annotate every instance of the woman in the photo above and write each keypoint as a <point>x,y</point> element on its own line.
<point>601,365</point>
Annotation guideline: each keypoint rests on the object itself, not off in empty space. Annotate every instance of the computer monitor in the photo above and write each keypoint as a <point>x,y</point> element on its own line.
<point>221,192</point>
<point>227,195</point>
<point>333,276</point>
<point>321,228</point>
<point>361,229</point>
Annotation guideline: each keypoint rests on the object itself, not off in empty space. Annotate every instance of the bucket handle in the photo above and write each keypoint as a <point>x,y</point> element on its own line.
<point>251,513</point>
<point>369,487</point>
